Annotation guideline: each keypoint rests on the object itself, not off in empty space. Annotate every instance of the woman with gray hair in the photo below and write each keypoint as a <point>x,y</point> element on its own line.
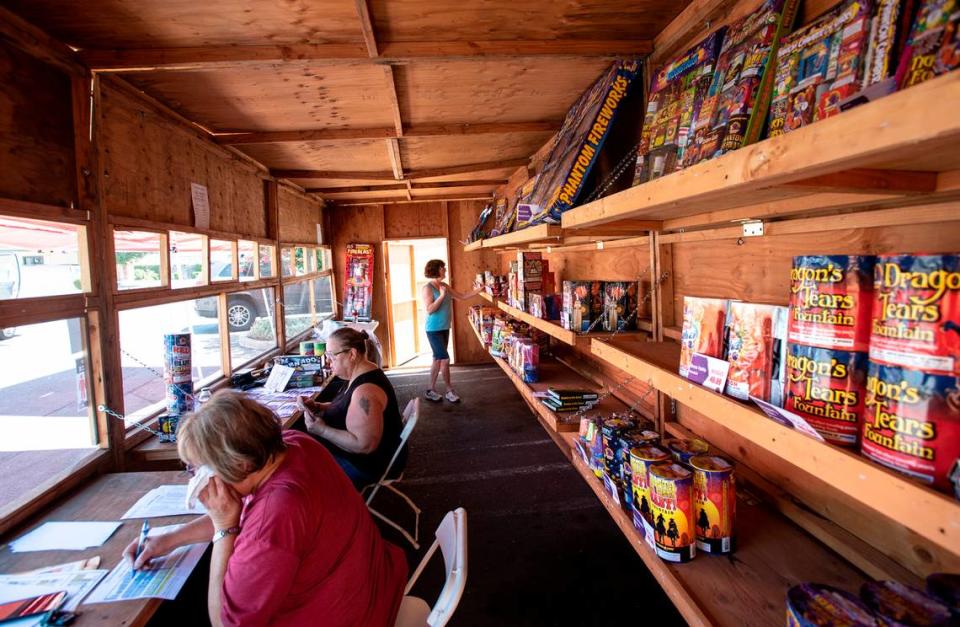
<point>293,543</point>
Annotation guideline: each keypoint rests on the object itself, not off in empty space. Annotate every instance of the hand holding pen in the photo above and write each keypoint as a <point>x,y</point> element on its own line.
<point>144,532</point>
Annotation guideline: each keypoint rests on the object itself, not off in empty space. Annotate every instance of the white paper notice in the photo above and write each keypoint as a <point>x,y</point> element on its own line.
<point>278,379</point>
<point>787,418</point>
<point>77,583</point>
<point>166,500</point>
<point>64,536</point>
<point>162,580</point>
<point>201,206</point>
<point>320,234</point>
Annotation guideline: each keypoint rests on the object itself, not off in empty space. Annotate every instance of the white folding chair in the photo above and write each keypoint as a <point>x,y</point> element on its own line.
<point>452,540</point>
<point>411,414</point>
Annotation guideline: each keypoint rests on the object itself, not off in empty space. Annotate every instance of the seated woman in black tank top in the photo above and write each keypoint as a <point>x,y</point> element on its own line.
<point>361,426</point>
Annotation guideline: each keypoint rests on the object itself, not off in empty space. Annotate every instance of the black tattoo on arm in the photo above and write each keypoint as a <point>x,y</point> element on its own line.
<point>365,405</point>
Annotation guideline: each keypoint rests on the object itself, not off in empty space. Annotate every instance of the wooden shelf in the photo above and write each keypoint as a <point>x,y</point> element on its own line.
<point>751,587</point>
<point>887,493</point>
<point>554,330</point>
<point>555,374</point>
<point>540,233</point>
<point>477,245</point>
<point>882,149</point>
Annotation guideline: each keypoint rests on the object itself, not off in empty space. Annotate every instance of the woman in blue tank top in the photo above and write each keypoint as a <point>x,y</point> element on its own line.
<point>437,299</point>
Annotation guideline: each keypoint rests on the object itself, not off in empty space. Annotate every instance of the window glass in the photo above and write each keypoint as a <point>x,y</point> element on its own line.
<point>39,258</point>
<point>187,260</point>
<point>247,254</point>
<point>323,259</point>
<point>138,259</point>
<point>297,312</point>
<point>286,262</point>
<point>300,260</point>
<point>142,350</point>
<point>45,408</point>
<point>311,256</point>
<point>253,332</point>
<point>323,297</point>
<point>268,259</point>
<point>221,260</point>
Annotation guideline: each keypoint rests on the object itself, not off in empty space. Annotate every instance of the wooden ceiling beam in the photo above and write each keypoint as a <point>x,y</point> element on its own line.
<point>235,138</point>
<point>393,150</point>
<point>39,44</point>
<point>388,177</point>
<point>402,200</point>
<point>366,28</point>
<point>391,53</point>
<point>376,187</point>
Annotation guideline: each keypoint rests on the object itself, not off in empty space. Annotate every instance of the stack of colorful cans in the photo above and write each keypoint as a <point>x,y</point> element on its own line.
<point>178,373</point>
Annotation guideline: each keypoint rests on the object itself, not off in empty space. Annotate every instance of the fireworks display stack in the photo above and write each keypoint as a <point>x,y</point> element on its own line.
<point>178,373</point>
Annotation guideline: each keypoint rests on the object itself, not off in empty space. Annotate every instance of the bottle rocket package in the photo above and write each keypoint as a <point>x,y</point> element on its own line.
<point>197,483</point>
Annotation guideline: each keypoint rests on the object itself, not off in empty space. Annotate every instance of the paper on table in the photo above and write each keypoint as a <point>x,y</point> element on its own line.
<point>64,536</point>
<point>163,580</point>
<point>68,567</point>
<point>165,500</point>
<point>77,583</point>
<point>278,379</point>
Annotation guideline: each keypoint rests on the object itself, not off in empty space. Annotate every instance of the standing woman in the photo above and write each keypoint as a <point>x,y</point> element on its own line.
<point>436,296</point>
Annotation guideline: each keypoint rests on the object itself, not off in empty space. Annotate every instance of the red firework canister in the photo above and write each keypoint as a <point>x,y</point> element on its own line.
<point>916,312</point>
<point>827,387</point>
<point>831,297</point>
<point>911,422</point>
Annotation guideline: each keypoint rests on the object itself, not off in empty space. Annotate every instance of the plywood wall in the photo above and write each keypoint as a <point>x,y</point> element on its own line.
<point>150,160</point>
<point>759,269</point>
<point>36,131</point>
<point>416,219</point>
<point>464,266</point>
<point>362,225</point>
<point>299,216</point>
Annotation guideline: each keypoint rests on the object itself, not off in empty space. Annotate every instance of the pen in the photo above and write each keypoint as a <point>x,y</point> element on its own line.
<point>144,530</point>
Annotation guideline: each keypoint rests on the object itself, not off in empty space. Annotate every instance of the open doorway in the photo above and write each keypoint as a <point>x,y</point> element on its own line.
<point>405,262</point>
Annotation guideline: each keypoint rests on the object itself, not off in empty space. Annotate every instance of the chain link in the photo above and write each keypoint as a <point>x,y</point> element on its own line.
<point>158,374</point>
<point>629,159</point>
<point>137,424</point>
<point>622,324</point>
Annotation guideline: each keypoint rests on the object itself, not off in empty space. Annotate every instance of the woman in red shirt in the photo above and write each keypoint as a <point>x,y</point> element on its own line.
<point>293,543</point>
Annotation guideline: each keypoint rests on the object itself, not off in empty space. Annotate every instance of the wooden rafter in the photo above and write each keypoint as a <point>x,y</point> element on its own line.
<point>366,27</point>
<point>392,53</point>
<point>387,176</point>
<point>234,138</point>
<point>377,187</point>
<point>401,199</point>
<point>39,44</point>
<point>393,148</point>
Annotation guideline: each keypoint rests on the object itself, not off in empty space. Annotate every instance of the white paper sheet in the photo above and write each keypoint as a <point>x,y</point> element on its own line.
<point>64,536</point>
<point>77,583</point>
<point>201,205</point>
<point>787,418</point>
<point>88,564</point>
<point>165,500</point>
<point>163,580</point>
<point>278,379</point>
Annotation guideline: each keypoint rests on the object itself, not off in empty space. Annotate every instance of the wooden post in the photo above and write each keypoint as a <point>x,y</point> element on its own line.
<point>224,325</point>
<point>272,203</point>
<point>102,320</point>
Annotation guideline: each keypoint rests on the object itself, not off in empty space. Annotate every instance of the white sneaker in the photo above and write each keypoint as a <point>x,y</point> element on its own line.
<point>452,396</point>
<point>430,395</point>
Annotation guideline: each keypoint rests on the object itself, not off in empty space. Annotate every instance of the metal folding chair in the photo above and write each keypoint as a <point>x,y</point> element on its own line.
<point>411,414</point>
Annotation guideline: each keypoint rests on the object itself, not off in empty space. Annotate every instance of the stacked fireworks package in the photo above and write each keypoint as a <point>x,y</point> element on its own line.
<point>178,377</point>
<point>735,344</point>
<point>599,305</point>
<point>682,499</point>
<point>830,302</point>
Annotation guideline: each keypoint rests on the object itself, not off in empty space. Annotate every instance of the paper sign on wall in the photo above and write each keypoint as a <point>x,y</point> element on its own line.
<point>201,206</point>
<point>320,234</point>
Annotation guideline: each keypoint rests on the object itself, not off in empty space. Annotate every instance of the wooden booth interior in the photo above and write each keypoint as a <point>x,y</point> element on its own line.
<point>403,123</point>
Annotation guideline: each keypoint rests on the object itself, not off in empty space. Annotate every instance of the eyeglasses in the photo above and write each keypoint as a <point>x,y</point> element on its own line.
<point>190,469</point>
<point>346,350</point>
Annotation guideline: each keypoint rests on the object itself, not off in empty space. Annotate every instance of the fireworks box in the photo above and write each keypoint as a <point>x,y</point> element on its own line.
<point>545,306</point>
<point>735,108</point>
<point>304,363</point>
<point>582,304</point>
<point>819,66</point>
<point>756,351</point>
<point>676,93</point>
<point>934,46</point>
<point>619,306</point>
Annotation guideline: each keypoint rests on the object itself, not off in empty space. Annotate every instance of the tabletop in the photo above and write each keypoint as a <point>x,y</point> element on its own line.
<point>106,498</point>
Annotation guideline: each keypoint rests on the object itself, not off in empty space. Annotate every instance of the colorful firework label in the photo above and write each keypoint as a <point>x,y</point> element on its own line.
<point>830,301</point>
<point>671,503</point>
<point>715,503</point>
<point>916,312</point>
<point>827,387</point>
<point>911,422</point>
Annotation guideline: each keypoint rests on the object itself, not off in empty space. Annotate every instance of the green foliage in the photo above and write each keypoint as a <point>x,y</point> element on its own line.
<point>125,258</point>
<point>146,273</point>
<point>296,325</point>
<point>262,330</point>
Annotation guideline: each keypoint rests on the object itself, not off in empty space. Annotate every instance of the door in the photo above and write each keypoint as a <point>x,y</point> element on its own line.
<point>404,317</point>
